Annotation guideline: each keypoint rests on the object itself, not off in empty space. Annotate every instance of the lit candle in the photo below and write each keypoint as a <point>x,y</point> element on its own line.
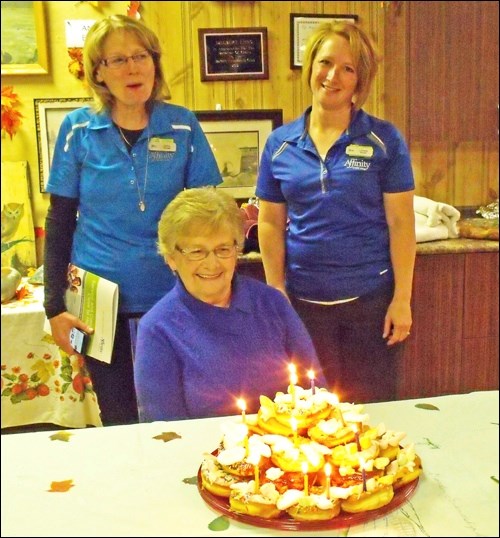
<point>310,374</point>
<point>306,479</point>
<point>293,381</point>
<point>293,425</point>
<point>256,478</point>
<point>328,472</point>
<point>243,406</point>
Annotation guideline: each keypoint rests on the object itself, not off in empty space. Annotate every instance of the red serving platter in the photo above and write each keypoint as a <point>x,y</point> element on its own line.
<point>285,522</point>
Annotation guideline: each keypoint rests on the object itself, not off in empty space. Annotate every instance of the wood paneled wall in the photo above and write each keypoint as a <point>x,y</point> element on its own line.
<point>177,24</point>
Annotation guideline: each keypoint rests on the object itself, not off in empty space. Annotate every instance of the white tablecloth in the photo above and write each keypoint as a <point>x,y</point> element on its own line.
<point>126,483</point>
<point>40,383</point>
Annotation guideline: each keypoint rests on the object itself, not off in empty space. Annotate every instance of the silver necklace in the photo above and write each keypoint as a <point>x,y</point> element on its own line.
<point>142,196</point>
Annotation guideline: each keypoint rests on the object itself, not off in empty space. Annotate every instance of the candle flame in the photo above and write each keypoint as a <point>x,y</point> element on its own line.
<point>293,424</point>
<point>305,467</point>
<point>293,379</point>
<point>310,374</point>
<point>292,368</point>
<point>242,404</point>
<point>328,469</point>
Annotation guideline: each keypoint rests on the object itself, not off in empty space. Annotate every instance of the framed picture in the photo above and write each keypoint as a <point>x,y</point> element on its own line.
<point>24,45</point>
<point>233,53</point>
<point>237,139</point>
<point>301,27</point>
<point>49,114</point>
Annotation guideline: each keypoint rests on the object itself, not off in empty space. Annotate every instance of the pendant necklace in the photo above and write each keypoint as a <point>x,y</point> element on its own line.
<point>142,195</point>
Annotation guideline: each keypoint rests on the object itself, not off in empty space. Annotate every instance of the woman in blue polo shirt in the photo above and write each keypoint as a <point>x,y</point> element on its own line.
<point>336,220</point>
<point>115,167</point>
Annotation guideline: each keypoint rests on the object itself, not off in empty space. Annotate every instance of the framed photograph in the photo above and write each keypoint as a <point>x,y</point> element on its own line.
<point>301,27</point>
<point>237,138</point>
<point>233,53</point>
<point>24,45</point>
<point>49,114</point>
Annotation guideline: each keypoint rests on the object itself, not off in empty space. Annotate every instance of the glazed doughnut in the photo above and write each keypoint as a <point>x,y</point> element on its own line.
<point>368,500</point>
<point>244,500</point>
<point>214,478</point>
<point>309,508</point>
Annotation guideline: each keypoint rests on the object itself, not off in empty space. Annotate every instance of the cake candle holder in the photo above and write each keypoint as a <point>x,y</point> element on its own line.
<point>310,375</point>
<point>293,425</point>
<point>328,472</point>
<point>256,473</point>
<point>363,472</point>
<point>306,478</point>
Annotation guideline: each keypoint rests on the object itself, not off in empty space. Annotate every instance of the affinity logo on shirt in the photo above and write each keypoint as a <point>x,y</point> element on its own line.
<point>359,164</point>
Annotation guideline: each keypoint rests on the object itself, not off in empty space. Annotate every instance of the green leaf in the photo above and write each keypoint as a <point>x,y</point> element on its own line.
<point>190,480</point>
<point>430,407</point>
<point>10,377</point>
<point>220,523</point>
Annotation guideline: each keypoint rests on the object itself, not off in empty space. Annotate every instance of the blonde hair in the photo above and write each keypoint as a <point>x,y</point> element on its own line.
<point>363,50</point>
<point>93,55</point>
<point>199,210</point>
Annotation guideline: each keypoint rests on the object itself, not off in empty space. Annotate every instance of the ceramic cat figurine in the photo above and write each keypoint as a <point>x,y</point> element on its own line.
<point>12,214</point>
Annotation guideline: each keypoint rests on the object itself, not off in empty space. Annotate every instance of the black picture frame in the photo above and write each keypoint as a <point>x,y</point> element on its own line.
<point>301,26</point>
<point>233,53</point>
<point>237,139</point>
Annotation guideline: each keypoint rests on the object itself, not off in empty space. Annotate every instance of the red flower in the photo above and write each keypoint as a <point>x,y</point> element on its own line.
<point>11,118</point>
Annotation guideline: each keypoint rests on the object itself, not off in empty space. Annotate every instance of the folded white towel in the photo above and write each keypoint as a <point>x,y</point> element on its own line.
<point>437,213</point>
<point>424,232</point>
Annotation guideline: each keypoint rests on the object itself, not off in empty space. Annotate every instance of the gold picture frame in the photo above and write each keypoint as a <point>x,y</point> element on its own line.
<point>24,41</point>
<point>237,139</point>
<point>49,114</point>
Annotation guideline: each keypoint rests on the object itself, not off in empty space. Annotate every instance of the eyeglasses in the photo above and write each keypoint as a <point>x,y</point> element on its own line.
<point>198,254</point>
<point>117,62</point>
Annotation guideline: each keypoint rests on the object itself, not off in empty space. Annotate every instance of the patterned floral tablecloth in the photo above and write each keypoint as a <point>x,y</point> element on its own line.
<point>40,382</point>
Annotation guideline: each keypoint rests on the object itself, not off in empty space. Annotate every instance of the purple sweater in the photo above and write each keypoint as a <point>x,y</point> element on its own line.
<point>195,360</point>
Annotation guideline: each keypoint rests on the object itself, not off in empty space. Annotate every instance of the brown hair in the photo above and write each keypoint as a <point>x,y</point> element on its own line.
<point>363,50</point>
<point>93,55</point>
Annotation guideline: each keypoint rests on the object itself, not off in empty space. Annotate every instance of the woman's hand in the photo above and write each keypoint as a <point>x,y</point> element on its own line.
<point>61,326</point>
<point>397,322</point>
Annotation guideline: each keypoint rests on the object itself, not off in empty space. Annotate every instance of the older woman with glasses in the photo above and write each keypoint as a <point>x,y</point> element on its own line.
<point>216,336</point>
<point>116,165</point>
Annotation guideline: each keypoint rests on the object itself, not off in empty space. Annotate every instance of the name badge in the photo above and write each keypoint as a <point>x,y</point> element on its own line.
<point>359,151</point>
<point>162,144</point>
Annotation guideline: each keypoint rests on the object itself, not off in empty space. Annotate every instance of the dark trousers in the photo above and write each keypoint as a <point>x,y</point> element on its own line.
<point>357,363</point>
<point>114,383</point>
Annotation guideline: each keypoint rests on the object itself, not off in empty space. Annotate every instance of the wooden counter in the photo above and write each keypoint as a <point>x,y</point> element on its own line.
<point>453,347</point>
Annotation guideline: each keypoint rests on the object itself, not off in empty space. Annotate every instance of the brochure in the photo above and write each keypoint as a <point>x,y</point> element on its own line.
<point>94,300</point>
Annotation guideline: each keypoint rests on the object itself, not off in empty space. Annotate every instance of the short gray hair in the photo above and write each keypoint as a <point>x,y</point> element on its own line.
<point>199,210</point>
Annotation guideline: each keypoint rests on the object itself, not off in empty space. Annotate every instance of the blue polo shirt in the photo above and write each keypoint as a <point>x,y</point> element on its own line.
<point>113,238</point>
<point>337,241</point>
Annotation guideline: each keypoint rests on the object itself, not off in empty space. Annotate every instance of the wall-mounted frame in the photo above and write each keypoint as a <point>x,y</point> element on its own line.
<point>49,114</point>
<point>233,53</point>
<point>301,27</point>
<point>24,39</point>
<point>237,138</point>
